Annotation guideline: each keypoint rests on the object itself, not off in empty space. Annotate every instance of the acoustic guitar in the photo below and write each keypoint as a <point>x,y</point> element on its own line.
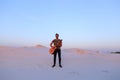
<point>52,49</point>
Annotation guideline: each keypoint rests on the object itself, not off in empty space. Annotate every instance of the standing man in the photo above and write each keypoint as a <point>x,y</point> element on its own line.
<point>58,44</point>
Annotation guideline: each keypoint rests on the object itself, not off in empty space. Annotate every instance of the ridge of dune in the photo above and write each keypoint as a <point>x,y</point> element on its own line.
<point>3,46</point>
<point>39,46</point>
<point>80,51</point>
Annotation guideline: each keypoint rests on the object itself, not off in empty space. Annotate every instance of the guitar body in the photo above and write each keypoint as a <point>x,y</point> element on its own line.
<point>52,49</point>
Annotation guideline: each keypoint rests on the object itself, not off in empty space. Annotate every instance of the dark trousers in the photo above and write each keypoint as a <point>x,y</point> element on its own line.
<point>59,56</point>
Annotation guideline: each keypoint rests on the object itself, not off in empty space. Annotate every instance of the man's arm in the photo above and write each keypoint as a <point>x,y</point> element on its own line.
<point>51,44</point>
<point>61,43</point>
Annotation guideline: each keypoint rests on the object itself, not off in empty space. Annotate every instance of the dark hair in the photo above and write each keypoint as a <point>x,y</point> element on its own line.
<point>57,34</point>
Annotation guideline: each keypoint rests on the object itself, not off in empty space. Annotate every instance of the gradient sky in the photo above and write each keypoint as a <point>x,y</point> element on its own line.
<point>80,23</point>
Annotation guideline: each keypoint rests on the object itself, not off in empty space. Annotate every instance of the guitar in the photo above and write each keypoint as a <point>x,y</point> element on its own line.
<point>52,49</point>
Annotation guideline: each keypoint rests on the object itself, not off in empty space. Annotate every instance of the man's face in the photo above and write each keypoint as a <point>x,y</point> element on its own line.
<point>56,36</point>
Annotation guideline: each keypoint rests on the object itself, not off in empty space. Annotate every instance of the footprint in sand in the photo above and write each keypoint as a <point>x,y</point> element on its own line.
<point>74,73</point>
<point>105,71</point>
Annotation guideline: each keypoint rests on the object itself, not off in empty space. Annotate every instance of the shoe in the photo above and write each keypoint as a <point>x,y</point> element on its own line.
<point>53,66</point>
<point>60,66</point>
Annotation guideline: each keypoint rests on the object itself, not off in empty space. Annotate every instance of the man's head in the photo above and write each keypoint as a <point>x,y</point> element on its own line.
<point>57,35</point>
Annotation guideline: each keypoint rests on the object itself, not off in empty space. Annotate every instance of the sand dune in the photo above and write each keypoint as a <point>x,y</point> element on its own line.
<point>33,63</point>
<point>81,51</point>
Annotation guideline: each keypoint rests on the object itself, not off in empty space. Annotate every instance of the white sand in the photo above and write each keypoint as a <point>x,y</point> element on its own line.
<point>35,64</point>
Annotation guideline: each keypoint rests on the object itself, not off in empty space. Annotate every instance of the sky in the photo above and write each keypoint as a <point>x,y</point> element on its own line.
<point>80,23</point>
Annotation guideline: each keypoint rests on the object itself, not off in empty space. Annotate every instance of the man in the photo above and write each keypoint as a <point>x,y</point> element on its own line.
<point>58,44</point>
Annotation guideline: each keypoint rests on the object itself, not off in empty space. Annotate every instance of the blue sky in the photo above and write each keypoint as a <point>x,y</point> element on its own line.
<point>80,23</point>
